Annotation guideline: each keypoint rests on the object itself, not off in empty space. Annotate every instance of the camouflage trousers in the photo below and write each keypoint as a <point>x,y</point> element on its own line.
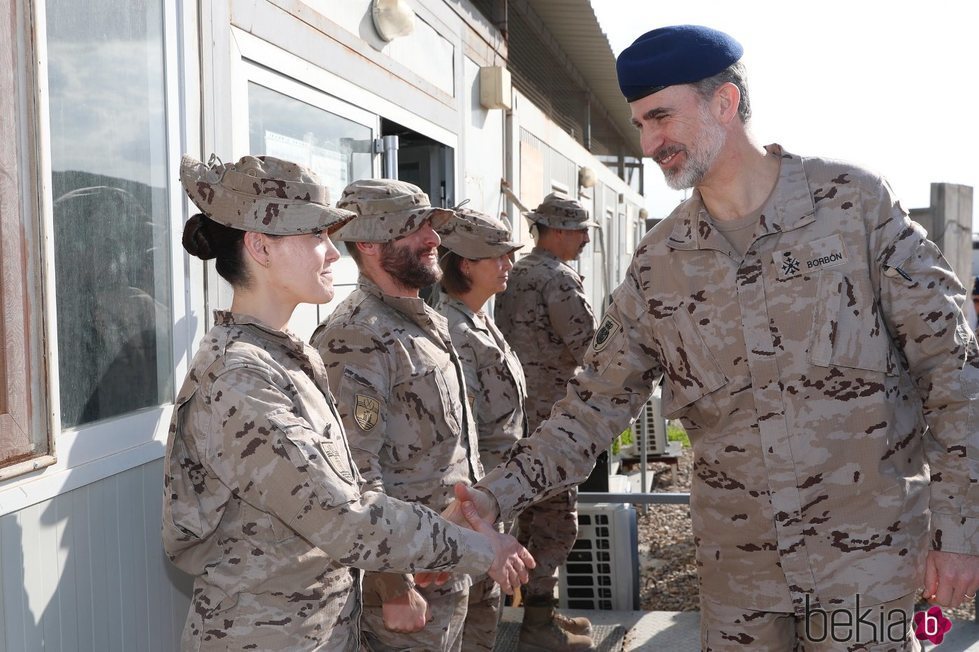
<point>483,617</point>
<point>885,627</point>
<point>447,610</point>
<point>548,529</point>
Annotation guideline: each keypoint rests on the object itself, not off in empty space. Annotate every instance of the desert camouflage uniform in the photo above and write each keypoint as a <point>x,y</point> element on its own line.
<point>828,382</point>
<point>497,391</point>
<point>545,317</point>
<point>262,502</point>
<point>402,399</point>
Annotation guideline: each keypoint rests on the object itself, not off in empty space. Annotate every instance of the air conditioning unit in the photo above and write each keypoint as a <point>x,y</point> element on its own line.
<point>602,570</point>
<point>651,426</point>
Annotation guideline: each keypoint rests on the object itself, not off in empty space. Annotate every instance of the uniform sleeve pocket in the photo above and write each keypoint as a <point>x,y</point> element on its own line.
<point>690,374</point>
<point>847,328</point>
<point>323,457</point>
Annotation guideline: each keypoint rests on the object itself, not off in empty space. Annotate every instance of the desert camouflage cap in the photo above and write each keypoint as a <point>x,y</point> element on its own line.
<point>559,212</point>
<point>387,209</point>
<point>260,193</point>
<point>476,235</point>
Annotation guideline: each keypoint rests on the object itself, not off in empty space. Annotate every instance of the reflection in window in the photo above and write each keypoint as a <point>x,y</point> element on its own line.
<point>111,215</point>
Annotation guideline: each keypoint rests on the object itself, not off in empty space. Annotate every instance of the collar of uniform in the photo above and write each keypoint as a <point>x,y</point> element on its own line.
<point>477,320</point>
<point>544,253</point>
<point>791,201</point>
<point>412,308</point>
<point>228,318</point>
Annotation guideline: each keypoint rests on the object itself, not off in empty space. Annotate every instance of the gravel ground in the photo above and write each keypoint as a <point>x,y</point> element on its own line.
<point>668,580</point>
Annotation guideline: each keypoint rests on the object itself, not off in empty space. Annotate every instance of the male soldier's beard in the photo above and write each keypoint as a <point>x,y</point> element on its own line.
<point>405,266</point>
<point>700,157</point>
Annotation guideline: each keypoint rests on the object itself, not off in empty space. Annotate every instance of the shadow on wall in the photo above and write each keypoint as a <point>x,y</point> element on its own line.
<point>87,571</point>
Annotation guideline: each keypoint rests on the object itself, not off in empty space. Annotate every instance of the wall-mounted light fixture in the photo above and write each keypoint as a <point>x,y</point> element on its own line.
<point>392,18</point>
<point>587,177</point>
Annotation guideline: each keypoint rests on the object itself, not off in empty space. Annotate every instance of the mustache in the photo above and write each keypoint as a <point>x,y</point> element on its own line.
<point>666,152</point>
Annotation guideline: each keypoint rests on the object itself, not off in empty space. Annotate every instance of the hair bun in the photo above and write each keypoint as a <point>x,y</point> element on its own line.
<point>196,238</point>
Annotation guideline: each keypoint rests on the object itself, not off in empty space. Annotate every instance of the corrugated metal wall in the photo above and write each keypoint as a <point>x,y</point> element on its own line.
<point>86,571</point>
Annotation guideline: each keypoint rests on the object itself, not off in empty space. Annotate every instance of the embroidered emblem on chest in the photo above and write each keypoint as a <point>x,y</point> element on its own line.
<point>366,412</point>
<point>809,258</point>
<point>790,264</point>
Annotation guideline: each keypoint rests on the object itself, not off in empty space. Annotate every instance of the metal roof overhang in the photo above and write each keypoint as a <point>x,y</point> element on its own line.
<point>576,30</point>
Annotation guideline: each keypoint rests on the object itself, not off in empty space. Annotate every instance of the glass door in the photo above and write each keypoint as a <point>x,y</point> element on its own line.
<point>296,122</point>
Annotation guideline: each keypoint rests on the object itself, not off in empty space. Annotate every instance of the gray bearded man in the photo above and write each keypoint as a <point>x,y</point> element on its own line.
<point>811,340</point>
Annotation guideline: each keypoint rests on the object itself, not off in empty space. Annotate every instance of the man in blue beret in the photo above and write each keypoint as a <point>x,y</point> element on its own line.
<point>811,340</point>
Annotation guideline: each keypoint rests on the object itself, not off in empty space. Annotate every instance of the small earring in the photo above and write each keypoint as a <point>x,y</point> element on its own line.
<point>268,263</point>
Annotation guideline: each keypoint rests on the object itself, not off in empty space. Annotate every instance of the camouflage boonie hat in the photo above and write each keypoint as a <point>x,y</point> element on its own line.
<point>475,235</point>
<point>387,209</point>
<point>559,212</point>
<point>260,193</point>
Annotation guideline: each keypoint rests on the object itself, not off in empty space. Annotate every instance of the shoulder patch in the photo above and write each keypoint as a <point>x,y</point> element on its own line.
<point>366,412</point>
<point>610,326</point>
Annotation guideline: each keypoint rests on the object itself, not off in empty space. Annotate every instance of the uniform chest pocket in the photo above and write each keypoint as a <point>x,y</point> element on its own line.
<point>498,390</point>
<point>690,375</point>
<point>847,328</point>
<point>428,397</point>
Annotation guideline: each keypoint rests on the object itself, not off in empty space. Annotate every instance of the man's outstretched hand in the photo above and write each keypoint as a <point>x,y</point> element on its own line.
<point>484,503</point>
<point>477,510</point>
<point>950,578</point>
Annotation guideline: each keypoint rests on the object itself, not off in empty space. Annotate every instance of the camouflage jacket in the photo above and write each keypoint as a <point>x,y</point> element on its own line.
<point>828,382</point>
<point>402,399</point>
<point>262,505</point>
<point>494,379</point>
<point>545,317</point>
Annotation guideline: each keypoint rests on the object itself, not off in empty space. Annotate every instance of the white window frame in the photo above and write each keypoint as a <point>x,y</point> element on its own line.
<point>94,451</point>
<point>252,59</point>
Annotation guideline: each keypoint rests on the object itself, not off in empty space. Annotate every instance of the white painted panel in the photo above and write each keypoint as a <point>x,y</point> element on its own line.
<point>81,554</point>
<point>483,147</point>
<point>424,51</point>
<point>86,571</point>
<point>16,610</point>
<point>99,508</point>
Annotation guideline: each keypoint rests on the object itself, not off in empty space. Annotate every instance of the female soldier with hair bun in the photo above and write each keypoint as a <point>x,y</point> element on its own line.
<point>262,502</point>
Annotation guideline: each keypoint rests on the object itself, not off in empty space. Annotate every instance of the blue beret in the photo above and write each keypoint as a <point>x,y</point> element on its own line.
<point>667,56</point>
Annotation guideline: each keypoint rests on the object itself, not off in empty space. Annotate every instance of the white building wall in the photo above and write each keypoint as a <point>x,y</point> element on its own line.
<point>86,570</point>
<point>483,148</point>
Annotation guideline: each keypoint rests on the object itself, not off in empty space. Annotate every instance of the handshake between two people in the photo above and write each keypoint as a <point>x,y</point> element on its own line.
<point>477,510</point>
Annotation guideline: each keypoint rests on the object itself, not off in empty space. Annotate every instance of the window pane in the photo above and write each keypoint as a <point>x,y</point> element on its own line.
<point>111,215</point>
<point>339,150</point>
